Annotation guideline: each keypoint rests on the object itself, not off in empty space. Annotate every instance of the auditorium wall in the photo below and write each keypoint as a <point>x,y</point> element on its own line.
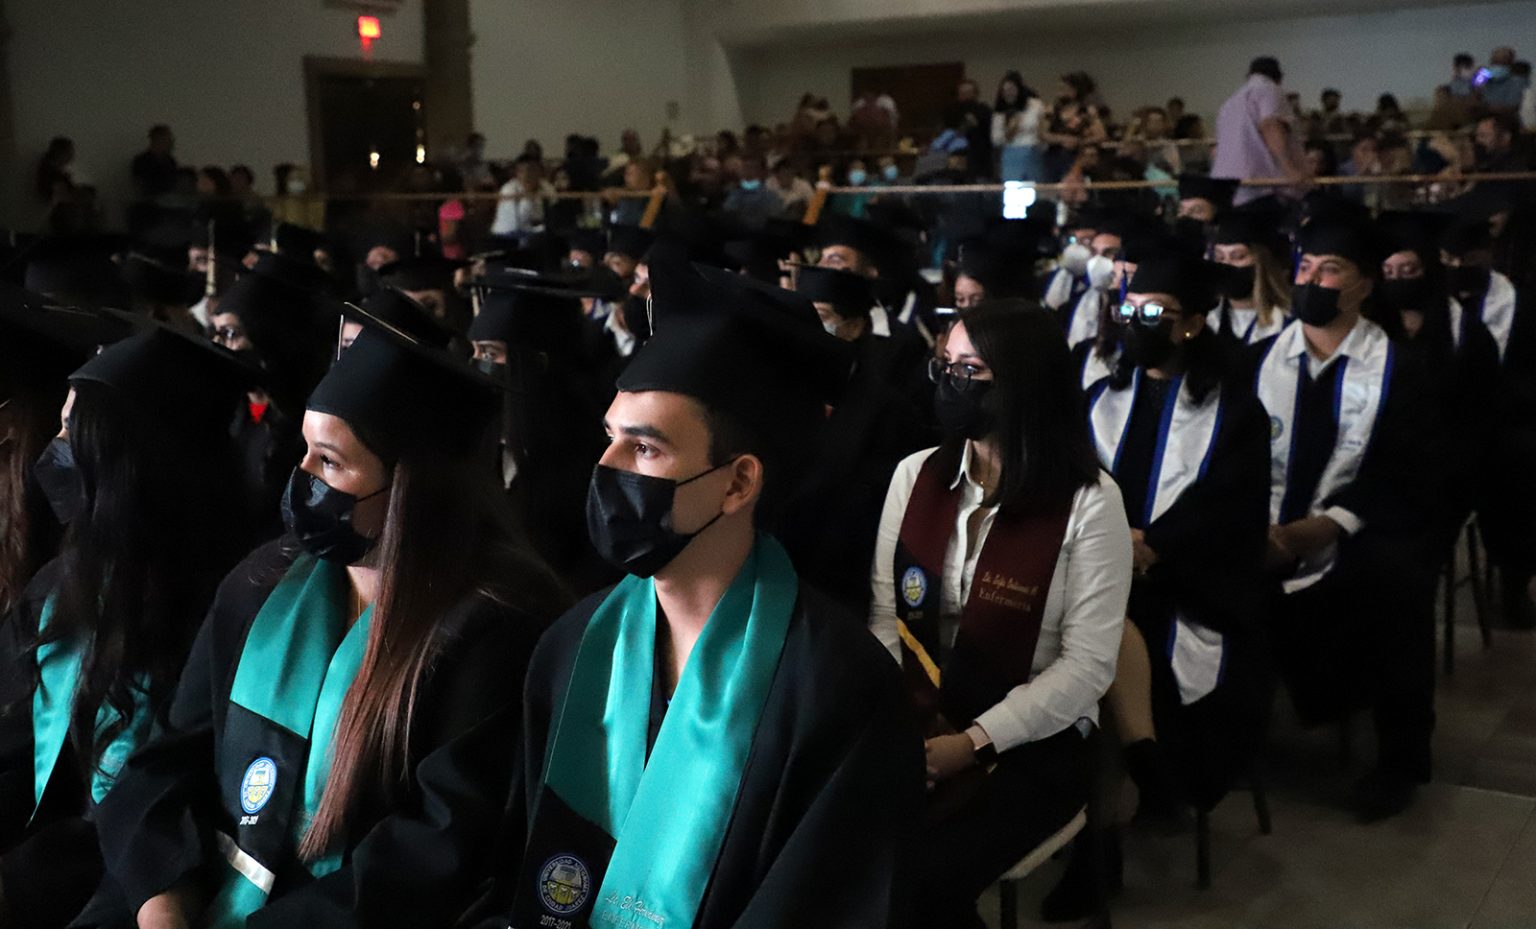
<point>546,68</point>
<point>227,77</point>
<point>1139,61</point>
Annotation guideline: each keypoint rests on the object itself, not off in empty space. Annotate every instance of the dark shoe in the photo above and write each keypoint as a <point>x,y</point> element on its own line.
<point>1383,794</point>
<point>1077,896</point>
<point>1160,804</point>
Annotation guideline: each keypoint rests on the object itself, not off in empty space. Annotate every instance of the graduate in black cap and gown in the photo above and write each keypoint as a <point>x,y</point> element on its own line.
<point>528,337</point>
<point>142,476</point>
<point>829,526</point>
<point>1255,299</point>
<point>861,246</point>
<point>40,345</point>
<point>1457,352</point>
<point>1178,427</point>
<point>1507,507</point>
<point>277,314</point>
<point>1354,447</point>
<point>340,750</point>
<point>713,712</point>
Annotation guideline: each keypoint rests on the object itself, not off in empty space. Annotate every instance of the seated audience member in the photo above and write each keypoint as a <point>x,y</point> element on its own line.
<point>1000,581</point>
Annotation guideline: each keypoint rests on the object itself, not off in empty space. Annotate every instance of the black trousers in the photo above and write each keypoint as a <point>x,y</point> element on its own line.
<point>1363,637</point>
<point>1034,791</point>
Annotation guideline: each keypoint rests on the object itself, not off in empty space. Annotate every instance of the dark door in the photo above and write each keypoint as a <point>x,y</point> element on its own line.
<point>369,130</point>
<point>920,92</point>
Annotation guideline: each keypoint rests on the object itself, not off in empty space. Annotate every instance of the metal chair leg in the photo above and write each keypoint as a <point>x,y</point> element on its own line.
<point>1202,849</point>
<point>1449,657</point>
<point>1008,905</point>
<point>1260,798</point>
<point>1481,584</point>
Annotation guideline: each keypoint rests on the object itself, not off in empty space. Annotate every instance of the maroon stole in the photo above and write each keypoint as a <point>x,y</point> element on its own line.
<point>1000,624</point>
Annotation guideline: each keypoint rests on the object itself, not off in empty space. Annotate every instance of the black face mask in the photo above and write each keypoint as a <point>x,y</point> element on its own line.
<point>1191,231</point>
<point>1314,304</point>
<point>1468,280</point>
<point>320,517</point>
<point>963,413</point>
<point>1149,346</point>
<point>1239,282</point>
<point>629,518</point>
<point>1405,293</point>
<point>59,480</point>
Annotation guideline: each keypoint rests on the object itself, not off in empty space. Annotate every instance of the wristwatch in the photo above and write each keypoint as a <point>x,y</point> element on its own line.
<point>981,743</point>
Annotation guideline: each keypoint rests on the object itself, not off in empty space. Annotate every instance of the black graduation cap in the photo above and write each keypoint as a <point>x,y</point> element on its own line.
<point>1027,239</point>
<point>1218,190</point>
<point>755,352</point>
<point>184,380</point>
<point>426,272</point>
<point>160,275</point>
<point>1259,226</point>
<point>851,294</point>
<point>1325,204</point>
<point>881,247</point>
<point>1001,272</point>
<point>401,396</point>
<point>1146,237</point>
<point>74,329</point>
<point>297,242</point>
<point>1417,231</point>
<point>759,251</point>
<point>1356,240</point>
<point>528,310</point>
<point>1466,234</point>
<point>78,270</point>
<point>285,313</point>
<point>591,241</point>
<point>399,310</point>
<point>1192,279</point>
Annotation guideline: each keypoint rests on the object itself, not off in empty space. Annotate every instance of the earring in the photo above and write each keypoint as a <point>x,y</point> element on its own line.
<point>1188,334</point>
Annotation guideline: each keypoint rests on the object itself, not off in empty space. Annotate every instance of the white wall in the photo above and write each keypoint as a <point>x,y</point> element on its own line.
<point>1406,52</point>
<point>227,77</point>
<point>546,68</point>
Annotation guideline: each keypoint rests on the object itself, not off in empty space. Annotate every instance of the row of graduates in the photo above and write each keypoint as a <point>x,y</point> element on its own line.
<point>798,834</point>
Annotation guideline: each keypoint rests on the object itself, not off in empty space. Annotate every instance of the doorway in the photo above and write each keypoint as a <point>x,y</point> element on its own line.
<point>921,92</point>
<point>366,123</point>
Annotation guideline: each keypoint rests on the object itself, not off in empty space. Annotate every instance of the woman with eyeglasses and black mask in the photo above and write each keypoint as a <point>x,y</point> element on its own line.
<point>1000,581</point>
<point>341,747</point>
<point>1187,442</point>
<point>139,475</point>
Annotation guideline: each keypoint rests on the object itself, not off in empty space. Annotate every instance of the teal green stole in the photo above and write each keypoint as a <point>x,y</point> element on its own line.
<point>299,661</point>
<point>668,816</point>
<point>53,706</point>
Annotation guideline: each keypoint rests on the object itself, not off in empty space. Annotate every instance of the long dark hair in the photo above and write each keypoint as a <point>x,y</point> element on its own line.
<point>32,389</point>
<point>1025,92</point>
<point>1037,404</point>
<point>447,535</point>
<point>142,558</point>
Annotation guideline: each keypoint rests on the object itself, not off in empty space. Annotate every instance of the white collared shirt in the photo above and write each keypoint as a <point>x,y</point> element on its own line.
<point>1084,614</point>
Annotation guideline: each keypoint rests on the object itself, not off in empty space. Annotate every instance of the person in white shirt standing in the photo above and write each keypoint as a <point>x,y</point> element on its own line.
<point>520,210</point>
<point>1001,575</point>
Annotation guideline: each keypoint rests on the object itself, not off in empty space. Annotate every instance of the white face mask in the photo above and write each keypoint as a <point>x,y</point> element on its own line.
<point>297,187</point>
<point>830,327</point>
<point>1074,258</point>
<point>1101,271</point>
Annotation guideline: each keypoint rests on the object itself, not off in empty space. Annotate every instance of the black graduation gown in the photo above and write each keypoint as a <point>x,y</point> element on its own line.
<point>1507,503</point>
<point>1210,545</point>
<point>267,453</point>
<point>830,525</point>
<point>833,785</point>
<point>418,855</point>
<point>1363,635</point>
<point>50,865</point>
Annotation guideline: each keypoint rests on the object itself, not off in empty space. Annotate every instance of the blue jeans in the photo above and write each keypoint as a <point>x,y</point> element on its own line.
<point>1023,163</point>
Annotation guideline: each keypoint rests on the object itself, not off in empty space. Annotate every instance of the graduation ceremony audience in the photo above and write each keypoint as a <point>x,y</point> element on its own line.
<point>679,538</point>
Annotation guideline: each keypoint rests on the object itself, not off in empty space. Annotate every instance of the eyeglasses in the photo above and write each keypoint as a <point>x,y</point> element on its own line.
<point>1148,314</point>
<point>960,373</point>
<point>224,335</point>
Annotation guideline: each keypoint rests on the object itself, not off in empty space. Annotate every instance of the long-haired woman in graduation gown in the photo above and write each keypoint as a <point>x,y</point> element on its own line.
<point>142,476</point>
<point>1183,435</point>
<point>341,746</point>
<point>1000,580</point>
<point>1255,299</point>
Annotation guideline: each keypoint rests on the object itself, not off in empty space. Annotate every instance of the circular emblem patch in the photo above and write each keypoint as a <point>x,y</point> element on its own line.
<point>914,585</point>
<point>1276,428</point>
<point>257,785</point>
<point>564,884</point>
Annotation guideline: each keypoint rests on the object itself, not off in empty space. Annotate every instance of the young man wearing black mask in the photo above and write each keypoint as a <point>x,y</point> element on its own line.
<point>1352,451</point>
<point>1507,510</point>
<point>710,710</point>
